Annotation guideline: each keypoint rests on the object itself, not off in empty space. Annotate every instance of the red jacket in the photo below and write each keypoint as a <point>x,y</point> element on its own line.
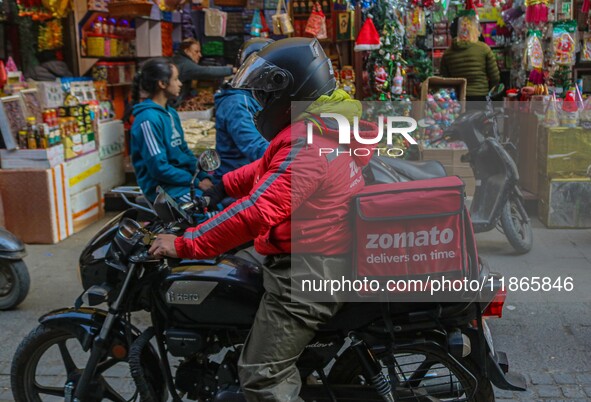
<point>293,199</point>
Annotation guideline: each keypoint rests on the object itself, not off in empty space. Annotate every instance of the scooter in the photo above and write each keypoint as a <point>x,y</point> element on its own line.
<point>498,198</point>
<point>498,201</point>
<point>14,276</point>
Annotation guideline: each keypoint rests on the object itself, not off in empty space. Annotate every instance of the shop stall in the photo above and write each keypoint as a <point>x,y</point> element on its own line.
<point>64,141</point>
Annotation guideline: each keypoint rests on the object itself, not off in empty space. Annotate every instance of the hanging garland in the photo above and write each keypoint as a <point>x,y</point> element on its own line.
<point>51,36</point>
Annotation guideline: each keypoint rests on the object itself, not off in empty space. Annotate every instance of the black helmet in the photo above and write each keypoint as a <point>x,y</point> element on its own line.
<point>249,47</point>
<point>286,71</point>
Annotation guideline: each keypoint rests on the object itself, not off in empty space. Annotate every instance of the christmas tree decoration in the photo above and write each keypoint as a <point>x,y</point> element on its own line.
<point>368,38</point>
<point>398,81</point>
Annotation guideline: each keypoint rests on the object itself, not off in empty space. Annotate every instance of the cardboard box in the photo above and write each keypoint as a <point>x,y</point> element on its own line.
<point>566,203</point>
<point>564,152</point>
<point>451,159</point>
<point>111,139</point>
<point>36,204</point>
<point>112,172</point>
<point>83,172</point>
<point>436,83</point>
<point>528,130</point>
<point>87,207</point>
<point>32,158</point>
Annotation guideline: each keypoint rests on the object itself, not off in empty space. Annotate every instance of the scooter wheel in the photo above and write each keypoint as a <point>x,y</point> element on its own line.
<point>14,283</point>
<point>517,228</point>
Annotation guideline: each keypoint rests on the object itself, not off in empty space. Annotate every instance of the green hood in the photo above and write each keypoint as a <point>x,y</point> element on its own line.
<point>339,102</point>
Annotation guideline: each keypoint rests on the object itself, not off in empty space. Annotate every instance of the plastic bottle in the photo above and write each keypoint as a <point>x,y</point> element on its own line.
<point>31,140</point>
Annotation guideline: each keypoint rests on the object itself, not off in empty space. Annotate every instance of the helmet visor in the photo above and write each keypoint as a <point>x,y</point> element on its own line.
<point>260,75</point>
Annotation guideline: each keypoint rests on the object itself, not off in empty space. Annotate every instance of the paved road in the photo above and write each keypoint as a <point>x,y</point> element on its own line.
<point>547,336</point>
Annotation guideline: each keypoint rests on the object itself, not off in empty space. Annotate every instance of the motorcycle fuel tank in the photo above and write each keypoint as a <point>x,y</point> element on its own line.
<point>208,293</point>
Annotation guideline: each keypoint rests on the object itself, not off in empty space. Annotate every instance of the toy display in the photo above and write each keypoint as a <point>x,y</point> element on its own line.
<point>441,109</point>
<point>564,39</point>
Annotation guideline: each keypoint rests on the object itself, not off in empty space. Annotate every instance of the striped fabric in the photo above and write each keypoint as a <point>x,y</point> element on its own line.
<point>150,139</point>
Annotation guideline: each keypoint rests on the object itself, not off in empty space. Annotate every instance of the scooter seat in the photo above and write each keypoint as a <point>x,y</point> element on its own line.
<point>416,170</point>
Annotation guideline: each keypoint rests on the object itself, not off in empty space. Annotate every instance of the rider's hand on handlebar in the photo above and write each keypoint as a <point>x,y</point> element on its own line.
<point>205,184</point>
<point>216,194</point>
<point>163,246</point>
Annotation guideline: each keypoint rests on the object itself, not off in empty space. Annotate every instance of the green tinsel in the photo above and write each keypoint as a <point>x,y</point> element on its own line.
<point>27,32</point>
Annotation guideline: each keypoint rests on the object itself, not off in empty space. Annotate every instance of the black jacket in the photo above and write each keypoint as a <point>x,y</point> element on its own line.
<point>189,71</point>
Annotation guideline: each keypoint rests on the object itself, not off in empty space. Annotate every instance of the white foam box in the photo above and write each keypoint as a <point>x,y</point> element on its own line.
<point>83,172</point>
<point>111,139</point>
<point>32,158</point>
<point>51,94</point>
<point>112,172</point>
<point>87,207</point>
<point>36,204</point>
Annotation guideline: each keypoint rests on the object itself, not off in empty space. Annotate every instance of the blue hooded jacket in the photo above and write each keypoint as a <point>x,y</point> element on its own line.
<point>159,152</point>
<point>237,139</point>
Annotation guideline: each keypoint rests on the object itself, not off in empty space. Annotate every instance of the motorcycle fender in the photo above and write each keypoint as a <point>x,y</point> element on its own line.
<point>11,248</point>
<point>86,323</point>
<point>496,365</point>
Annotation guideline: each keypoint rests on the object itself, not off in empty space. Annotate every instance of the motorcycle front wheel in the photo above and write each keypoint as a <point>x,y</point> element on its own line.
<point>420,374</point>
<point>517,226</point>
<point>49,362</point>
<point>14,283</point>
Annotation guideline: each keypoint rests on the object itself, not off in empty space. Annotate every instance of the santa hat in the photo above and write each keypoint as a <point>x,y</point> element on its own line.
<point>368,38</point>
<point>570,102</point>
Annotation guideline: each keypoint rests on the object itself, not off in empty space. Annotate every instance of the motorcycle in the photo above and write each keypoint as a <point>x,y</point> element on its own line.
<point>14,276</point>
<point>498,200</point>
<point>201,312</point>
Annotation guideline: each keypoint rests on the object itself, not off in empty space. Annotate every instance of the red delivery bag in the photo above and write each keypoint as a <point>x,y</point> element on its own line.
<point>413,230</point>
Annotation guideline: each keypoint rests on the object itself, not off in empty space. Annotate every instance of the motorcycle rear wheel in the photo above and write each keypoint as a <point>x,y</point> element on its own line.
<point>14,283</point>
<point>48,358</point>
<point>517,228</point>
<point>422,373</point>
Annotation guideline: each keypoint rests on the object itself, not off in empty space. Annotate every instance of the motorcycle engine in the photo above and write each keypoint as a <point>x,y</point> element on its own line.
<point>203,379</point>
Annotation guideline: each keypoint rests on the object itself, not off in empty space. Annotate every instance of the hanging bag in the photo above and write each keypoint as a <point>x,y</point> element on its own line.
<point>215,22</point>
<point>281,23</point>
<point>316,25</point>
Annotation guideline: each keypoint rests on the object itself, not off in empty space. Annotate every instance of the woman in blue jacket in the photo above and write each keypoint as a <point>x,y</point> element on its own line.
<point>159,152</point>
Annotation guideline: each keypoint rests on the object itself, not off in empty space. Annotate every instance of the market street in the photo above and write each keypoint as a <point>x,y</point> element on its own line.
<point>547,338</point>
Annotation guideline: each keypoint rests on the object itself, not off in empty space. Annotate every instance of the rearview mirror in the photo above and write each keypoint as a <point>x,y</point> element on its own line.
<point>209,160</point>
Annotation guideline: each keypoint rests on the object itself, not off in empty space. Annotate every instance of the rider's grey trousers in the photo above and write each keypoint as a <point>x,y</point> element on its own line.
<point>285,323</point>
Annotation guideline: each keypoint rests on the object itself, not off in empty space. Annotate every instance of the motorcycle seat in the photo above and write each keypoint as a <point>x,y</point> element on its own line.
<point>416,170</point>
